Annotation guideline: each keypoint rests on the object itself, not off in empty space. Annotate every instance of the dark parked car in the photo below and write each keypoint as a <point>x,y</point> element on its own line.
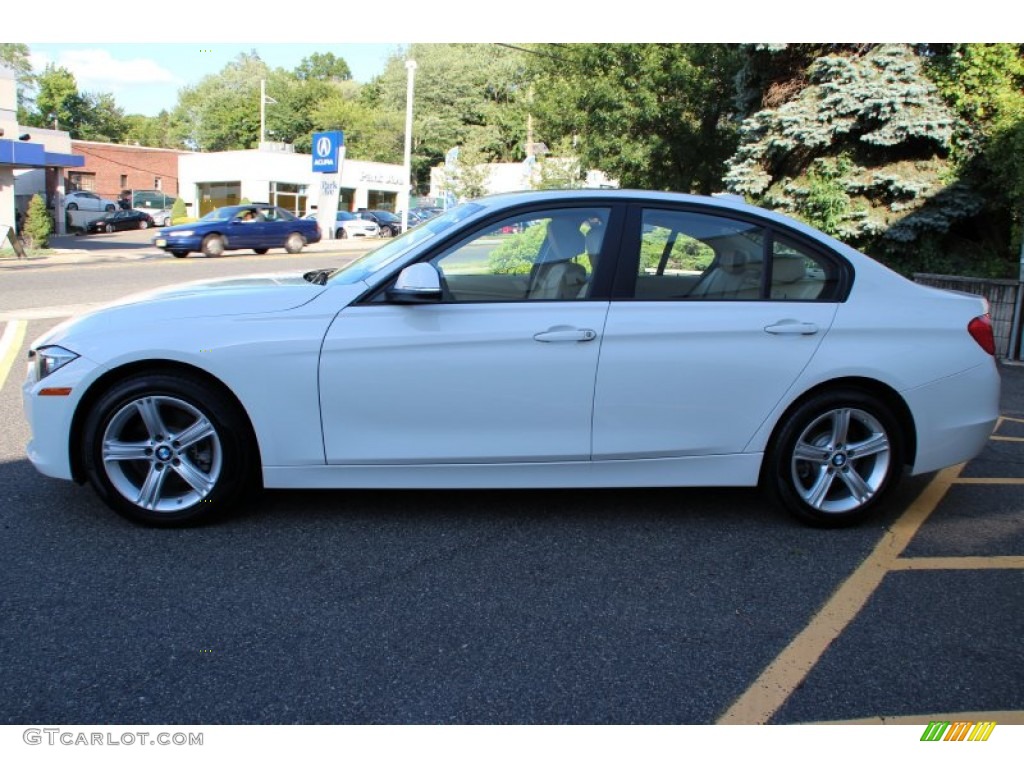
<point>390,225</point>
<point>115,222</point>
<point>259,227</point>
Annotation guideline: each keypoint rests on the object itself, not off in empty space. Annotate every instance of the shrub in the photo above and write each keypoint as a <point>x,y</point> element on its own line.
<point>178,210</point>
<point>38,225</point>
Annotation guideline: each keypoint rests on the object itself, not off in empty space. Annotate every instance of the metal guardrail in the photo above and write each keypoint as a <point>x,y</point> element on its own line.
<point>1003,298</point>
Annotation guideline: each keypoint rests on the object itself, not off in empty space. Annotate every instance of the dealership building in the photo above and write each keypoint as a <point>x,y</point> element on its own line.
<point>276,175</point>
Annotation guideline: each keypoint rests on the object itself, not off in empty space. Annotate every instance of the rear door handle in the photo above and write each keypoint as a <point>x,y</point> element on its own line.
<point>565,333</point>
<point>791,328</point>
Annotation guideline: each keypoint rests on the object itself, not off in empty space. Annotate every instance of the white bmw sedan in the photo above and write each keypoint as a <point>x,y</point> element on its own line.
<point>534,340</point>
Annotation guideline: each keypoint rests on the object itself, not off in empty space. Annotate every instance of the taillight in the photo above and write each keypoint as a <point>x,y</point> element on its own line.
<point>980,329</point>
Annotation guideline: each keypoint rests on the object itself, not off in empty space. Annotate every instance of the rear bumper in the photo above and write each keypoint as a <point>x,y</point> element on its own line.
<point>954,417</point>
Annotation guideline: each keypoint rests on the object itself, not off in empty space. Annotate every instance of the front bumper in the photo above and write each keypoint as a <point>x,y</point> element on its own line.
<point>50,417</point>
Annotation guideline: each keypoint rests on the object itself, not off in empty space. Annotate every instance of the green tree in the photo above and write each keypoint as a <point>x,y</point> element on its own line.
<point>149,131</point>
<point>178,210</point>
<point>15,56</point>
<point>984,83</point>
<point>657,116</point>
<point>323,66</point>
<point>222,111</point>
<point>863,149</point>
<point>38,225</point>
<point>58,100</point>
<point>465,94</point>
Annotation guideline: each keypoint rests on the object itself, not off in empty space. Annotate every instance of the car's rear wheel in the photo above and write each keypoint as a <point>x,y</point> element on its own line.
<point>72,206</point>
<point>294,243</point>
<point>342,233</point>
<point>260,251</point>
<point>834,458</point>
<point>213,246</point>
<point>167,449</point>
<point>108,228</point>
<point>109,208</point>
<point>179,254</point>
<point>143,224</point>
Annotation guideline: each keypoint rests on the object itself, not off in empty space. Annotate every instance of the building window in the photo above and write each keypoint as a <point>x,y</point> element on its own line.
<point>291,197</point>
<point>81,182</point>
<point>124,181</point>
<point>157,182</point>
<point>216,194</point>
<point>379,200</point>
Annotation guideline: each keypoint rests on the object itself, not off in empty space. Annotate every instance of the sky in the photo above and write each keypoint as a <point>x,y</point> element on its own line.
<point>145,78</point>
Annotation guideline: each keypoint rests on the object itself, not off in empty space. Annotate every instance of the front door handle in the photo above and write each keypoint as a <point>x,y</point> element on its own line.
<point>565,333</point>
<point>792,328</point>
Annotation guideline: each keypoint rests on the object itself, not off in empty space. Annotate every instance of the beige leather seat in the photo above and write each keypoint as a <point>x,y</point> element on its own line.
<point>556,277</point>
<point>790,280</point>
<point>734,276</point>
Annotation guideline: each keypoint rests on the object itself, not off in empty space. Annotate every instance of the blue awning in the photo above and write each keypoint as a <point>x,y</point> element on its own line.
<point>27,154</point>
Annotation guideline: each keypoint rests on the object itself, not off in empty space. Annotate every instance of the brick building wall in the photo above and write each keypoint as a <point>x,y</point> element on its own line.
<point>111,168</point>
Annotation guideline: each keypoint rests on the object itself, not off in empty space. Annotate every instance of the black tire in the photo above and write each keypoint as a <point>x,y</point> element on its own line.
<point>179,254</point>
<point>108,228</point>
<point>294,243</point>
<point>143,224</point>
<point>386,232</point>
<point>213,246</point>
<point>260,251</point>
<point>158,480</point>
<point>834,458</point>
<point>72,206</point>
<point>341,234</point>
<point>110,208</point>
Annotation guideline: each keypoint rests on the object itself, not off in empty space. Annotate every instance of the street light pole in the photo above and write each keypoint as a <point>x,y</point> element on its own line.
<point>410,67</point>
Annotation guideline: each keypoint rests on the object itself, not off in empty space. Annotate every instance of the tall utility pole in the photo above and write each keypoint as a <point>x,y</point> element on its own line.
<point>410,67</point>
<point>264,100</point>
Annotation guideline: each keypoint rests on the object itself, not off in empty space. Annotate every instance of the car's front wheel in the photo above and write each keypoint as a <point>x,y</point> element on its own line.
<point>834,458</point>
<point>179,254</point>
<point>294,243</point>
<point>260,251</point>
<point>167,449</point>
<point>72,206</point>
<point>143,224</point>
<point>213,246</point>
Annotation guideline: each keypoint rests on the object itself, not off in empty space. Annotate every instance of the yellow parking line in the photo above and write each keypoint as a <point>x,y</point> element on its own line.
<point>10,346</point>
<point>1001,717</point>
<point>778,681</point>
<point>976,563</point>
<point>989,481</point>
<point>1007,439</point>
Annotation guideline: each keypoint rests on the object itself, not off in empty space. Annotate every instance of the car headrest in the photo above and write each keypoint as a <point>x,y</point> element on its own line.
<point>733,261</point>
<point>788,269</point>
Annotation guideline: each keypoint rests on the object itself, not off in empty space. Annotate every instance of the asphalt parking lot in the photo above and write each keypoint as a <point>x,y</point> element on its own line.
<point>608,607</point>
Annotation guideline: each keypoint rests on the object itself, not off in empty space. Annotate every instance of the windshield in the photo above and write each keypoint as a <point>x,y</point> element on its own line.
<point>381,257</point>
<point>221,214</point>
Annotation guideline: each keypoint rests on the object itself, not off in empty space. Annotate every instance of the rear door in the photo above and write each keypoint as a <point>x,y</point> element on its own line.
<point>703,343</point>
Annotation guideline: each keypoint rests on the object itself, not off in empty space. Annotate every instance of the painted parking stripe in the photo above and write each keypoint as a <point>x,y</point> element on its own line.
<point>789,669</point>
<point>10,345</point>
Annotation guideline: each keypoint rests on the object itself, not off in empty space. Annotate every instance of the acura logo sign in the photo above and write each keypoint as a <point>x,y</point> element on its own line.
<point>323,146</point>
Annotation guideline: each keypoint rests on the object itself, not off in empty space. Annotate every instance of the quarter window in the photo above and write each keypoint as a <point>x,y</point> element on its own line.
<point>798,275</point>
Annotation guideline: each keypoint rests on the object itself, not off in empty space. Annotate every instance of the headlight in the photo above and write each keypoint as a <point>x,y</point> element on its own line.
<point>181,233</point>
<point>49,359</point>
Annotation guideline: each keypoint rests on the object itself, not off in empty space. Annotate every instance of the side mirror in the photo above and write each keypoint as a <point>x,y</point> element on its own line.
<point>417,284</point>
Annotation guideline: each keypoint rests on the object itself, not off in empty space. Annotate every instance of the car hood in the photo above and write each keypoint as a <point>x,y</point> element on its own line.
<point>252,294</point>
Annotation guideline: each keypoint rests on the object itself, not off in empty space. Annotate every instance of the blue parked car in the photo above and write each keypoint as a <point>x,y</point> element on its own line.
<point>233,227</point>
